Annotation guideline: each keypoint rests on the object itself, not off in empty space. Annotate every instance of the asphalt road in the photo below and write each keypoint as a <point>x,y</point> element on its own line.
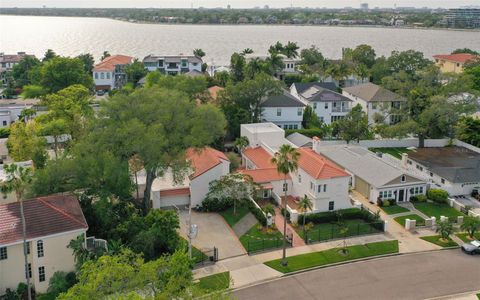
<point>412,276</point>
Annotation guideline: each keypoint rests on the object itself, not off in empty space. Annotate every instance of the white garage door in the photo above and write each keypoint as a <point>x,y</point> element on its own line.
<point>174,200</point>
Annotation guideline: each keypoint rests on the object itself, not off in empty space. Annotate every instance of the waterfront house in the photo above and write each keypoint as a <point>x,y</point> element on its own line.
<point>377,102</point>
<point>283,110</point>
<point>51,223</point>
<point>173,64</point>
<point>453,63</point>
<point>8,61</point>
<point>110,74</point>
<point>289,64</point>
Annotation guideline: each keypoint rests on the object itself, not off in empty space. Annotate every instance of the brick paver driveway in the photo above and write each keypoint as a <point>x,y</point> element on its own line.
<point>212,231</point>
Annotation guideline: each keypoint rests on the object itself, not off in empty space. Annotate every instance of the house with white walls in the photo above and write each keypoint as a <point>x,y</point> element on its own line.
<point>318,178</point>
<point>207,164</point>
<point>290,64</point>
<point>110,74</point>
<point>283,110</point>
<point>173,64</point>
<point>51,223</point>
<point>377,102</point>
<point>328,104</point>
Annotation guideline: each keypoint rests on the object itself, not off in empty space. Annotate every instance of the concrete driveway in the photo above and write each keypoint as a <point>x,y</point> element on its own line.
<point>212,231</point>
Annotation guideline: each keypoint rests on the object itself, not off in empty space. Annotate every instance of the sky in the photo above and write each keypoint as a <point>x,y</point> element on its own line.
<point>237,3</point>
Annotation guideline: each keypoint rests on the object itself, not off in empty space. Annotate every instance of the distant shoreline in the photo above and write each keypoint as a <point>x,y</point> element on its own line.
<point>251,24</point>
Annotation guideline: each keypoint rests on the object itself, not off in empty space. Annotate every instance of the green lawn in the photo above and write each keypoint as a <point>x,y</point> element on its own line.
<point>437,210</point>
<point>435,239</point>
<point>215,282</point>
<point>197,255</point>
<point>478,296</point>
<point>258,239</point>
<point>328,231</point>
<point>463,236</point>
<point>401,220</point>
<point>395,152</point>
<point>233,219</point>
<point>394,209</point>
<point>309,260</point>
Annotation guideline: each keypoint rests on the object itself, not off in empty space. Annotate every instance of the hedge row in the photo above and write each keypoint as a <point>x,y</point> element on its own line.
<point>258,213</point>
<point>330,217</point>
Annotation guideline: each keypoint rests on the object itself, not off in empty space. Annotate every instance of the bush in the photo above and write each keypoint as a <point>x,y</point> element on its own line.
<point>421,198</point>
<point>4,132</point>
<point>330,217</point>
<point>216,205</point>
<point>437,195</point>
<point>258,213</point>
<point>386,203</point>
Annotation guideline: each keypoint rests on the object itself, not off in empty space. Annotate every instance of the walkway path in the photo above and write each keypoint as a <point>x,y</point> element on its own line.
<point>412,209</point>
<point>297,240</point>
<point>244,225</point>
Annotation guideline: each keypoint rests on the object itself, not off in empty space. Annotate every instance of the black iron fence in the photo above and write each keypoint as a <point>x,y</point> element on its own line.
<point>335,231</point>
<point>205,257</point>
<point>259,245</point>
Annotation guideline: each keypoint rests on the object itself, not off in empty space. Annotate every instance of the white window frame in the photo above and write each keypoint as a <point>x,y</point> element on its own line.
<point>40,249</point>
<point>102,75</point>
<point>279,112</point>
<point>41,274</point>
<point>299,111</point>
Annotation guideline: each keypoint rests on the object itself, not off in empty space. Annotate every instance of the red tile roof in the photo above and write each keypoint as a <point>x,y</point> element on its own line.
<point>459,57</point>
<point>43,216</point>
<point>259,157</point>
<point>109,63</point>
<point>318,166</point>
<point>175,192</point>
<point>204,159</point>
<point>264,175</point>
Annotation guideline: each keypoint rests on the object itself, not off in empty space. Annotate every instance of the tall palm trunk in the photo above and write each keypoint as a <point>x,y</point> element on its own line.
<point>303,226</point>
<point>136,184</point>
<point>25,255</point>
<point>284,252</point>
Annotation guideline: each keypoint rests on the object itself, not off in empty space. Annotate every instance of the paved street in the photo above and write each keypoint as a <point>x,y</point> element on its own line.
<point>410,276</point>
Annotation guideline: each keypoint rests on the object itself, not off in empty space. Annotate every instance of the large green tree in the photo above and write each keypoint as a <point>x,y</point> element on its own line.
<point>61,72</point>
<point>354,126</point>
<point>22,72</point>
<point>409,61</point>
<point>468,130</point>
<point>135,71</point>
<point>25,143</point>
<point>88,62</point>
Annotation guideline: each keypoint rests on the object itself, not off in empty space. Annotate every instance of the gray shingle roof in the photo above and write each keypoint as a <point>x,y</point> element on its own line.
<point>284,100</point>
<point>303,86</point>
<point>371,92</point>
<point>319,94</point>
<point>363,164</point>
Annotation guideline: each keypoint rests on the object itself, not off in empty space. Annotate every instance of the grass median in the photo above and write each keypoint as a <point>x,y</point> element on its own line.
<point>436,239</point>
<point>466,238</point>
<point>215,282</point>
<point>310,260</point>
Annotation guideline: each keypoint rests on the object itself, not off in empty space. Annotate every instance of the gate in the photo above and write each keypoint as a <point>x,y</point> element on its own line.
<point>205,256</point>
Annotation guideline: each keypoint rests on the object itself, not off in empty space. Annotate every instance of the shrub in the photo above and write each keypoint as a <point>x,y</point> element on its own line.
<point>216,204</point>
<point>437,195</point>
<point>421,198</point>
<point>330,217</point>
<point>386,203</point>
<point>4,132</point>
<point>285,212</point>
<point>258,213</point>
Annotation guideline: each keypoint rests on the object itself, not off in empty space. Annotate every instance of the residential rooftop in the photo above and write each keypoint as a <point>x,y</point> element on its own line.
<point>204,159</point>
<point>303,86</point>
<point>283,100</point>
<point>262,127</point>
<point>456,164</point>
<point>373,93</point>
<point>299,140</point>
<point>109,63</point>
<point>458,57</point>
<point>260,157</point>
<point>318,166</point>
<point>172,58</point>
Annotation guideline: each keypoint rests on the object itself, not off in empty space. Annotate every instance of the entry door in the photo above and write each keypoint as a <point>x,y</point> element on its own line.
<point>401,195</point>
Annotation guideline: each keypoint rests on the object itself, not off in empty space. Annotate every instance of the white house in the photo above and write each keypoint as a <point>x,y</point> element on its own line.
<point>329,105</point>
<point>51,223</point>
<point>321,180</point>
<point>377,102</point>
<point>110,74</point>
<point>290,65</point>
<point>283,110</point>
<point>8,61</point>
<point>372,176</point>
<point>453,169</point>
<point>10,112</point>
<point>207,165</point>
<point>173,64</point>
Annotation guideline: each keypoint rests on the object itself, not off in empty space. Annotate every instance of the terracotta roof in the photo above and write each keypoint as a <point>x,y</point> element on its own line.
<point>318,166</point>
<point>213,90</point>
<point>459,57</point>
<point>175,192</point>
<point>264,175</point>
<point>259,157</point>
<point>109,63</point>
<point>43,216</point>
<point>204,159</point>
<point>13,58</point>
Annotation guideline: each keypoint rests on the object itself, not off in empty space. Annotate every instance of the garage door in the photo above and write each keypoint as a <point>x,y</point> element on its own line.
<point>362,187</point>
<point>179,200</point>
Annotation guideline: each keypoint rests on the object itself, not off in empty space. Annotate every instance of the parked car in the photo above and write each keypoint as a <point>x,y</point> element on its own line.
<point>471,248</point>
<point>100,93</point>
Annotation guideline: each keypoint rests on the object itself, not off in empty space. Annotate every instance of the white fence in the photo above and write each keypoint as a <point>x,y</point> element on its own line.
<point>393,143</point>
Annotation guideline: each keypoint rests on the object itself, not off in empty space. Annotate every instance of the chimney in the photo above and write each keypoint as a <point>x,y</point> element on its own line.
<point>315,143</point>
<point>404,160</point>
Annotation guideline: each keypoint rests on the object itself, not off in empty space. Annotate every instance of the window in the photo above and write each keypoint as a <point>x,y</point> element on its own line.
<point>160,63</point>
<point>431,174</point>
<point>290,126</point>
<point>324,188</point>
<point>96,75</point>
<point>319,188</point>
<point>285,187</point>
<point>312,186</point>
<point>285,126</point>
<point>184,63</point>
<point>4,123</point>
<point>443,181</point>
<point>28,247</point>
<point>102,75</point>
<point>458,65</point>
<point>374,105</point>
<point>420,190</point>
<point>326,105</point>
<point>108,75</point>
<point>334,104</point>
<point>321,119</point>
<point>41,274</point>
<point>195,64</point>
<point>314,105</point>
<point>40,248</point>
<point>28,271</point>
<point>331,205</point>
<point>295,126</point>
<point>403,178</point>
<point>409,162</point>
<point>279,112</point>
<point>419,167</point>
<point>299,111</point>
<point>3,253</point>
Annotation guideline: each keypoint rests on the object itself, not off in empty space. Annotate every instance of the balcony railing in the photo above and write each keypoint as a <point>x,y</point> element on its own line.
<point>341,109</point>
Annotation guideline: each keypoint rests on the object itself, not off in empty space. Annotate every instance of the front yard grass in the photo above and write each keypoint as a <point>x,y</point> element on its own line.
<point>328,231</point>
<point>464,236</point>
<point>435,239</point>
<point>401,220</point>
<point>309,260</point>
<point>394,209</point>
<point>259,238</point>
<point>436,210</point>
<point>215,282</point>
<point>232,219</point>
<point>395,152</point>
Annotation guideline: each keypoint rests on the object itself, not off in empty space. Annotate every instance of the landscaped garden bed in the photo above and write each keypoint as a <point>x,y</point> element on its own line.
<point>437,240</point>
<point>401,220</point>
<point>465,237</point>
<point>336,255</point>
<point>260,238</point>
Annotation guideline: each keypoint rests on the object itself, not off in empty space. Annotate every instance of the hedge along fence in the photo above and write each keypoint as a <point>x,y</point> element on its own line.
<point>346,214</point>
<point>257,212</point>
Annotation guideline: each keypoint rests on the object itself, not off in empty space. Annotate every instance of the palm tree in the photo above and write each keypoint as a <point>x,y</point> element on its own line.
<point>286,160</point>
<point>305,205</point>
<point>361,71</point>
<point>275,63</point>
<point>339,71</point>
<point>241,143</point>
<point>445,229</point>
<point>291,50</point>
<point>247,51</point>
<point>471,225</point>
<point>199,52</point>
<point>105,55</point>
<point>17,180</point>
